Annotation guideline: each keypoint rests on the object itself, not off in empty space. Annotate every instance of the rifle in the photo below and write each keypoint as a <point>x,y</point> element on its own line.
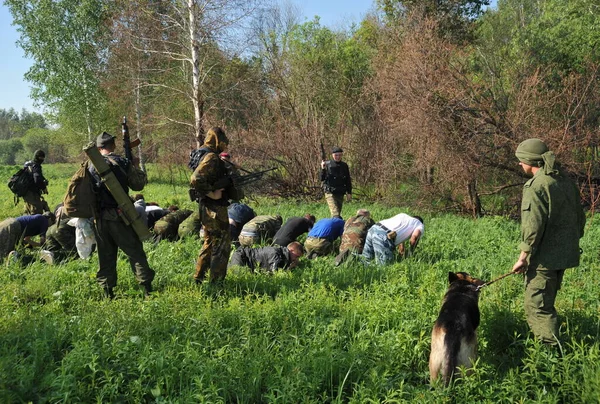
<point>235,180</point>
<point>323,154</point>
<point>128,144</point>
<point>241,180</point>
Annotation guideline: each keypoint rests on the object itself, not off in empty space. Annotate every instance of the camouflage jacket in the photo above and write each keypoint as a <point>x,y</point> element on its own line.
<point>169,224</point>
<point>552,221</point>
<point>355,233</point>
<point>264,226</point>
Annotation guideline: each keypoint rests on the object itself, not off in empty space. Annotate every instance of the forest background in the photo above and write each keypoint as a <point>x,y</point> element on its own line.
<point>429,99</point>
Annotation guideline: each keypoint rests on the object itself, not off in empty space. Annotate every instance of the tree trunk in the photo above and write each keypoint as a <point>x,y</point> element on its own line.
<point>138,123</point>
<point>196,95</point>
<point>474,200</point>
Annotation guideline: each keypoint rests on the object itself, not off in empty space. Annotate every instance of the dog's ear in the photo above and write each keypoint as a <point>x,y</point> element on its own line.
<point>452,277</point>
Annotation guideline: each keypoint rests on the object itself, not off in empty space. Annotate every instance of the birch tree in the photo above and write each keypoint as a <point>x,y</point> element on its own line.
<point>192,39</point>
<point>65,40</point>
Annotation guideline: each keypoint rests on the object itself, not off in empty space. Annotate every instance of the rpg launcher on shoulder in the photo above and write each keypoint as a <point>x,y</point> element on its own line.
<point>128,144</point>
<point>128,213</point>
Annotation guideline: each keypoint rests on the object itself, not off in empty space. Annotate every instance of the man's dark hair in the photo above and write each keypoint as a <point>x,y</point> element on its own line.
<point>419,218</point>
<point>310,218</point>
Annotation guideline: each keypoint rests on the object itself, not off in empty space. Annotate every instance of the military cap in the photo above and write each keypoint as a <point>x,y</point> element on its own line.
<point>39,154</point>
<point>104,139</point>
<point>530,152</point>
<point>337,149</point>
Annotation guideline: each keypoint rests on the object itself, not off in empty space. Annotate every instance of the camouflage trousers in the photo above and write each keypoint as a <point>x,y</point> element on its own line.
<point>10,236</point>
<point>214,253</point>
<point>541,288</point>
<point>35,203</point>
<point>60,239</point>
<point>111,234</point>
<point>317,247</point>
<point>335,203</point>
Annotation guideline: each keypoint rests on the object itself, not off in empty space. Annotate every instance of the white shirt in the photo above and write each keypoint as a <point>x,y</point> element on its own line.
<point>404,226</point>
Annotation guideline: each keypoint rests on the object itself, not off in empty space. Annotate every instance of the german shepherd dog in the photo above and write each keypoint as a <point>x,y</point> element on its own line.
<point>454,338</point>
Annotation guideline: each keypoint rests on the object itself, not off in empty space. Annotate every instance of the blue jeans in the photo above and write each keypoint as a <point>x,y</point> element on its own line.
<point>379,246</point>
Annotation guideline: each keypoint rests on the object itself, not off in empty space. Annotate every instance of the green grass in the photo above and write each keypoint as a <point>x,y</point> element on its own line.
<point>317,334</point>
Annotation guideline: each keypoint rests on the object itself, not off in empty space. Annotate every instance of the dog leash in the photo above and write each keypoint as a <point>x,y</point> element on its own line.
<point>492,281</point>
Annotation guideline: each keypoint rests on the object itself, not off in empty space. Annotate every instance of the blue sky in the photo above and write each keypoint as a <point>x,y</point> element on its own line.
<point>14,90</point>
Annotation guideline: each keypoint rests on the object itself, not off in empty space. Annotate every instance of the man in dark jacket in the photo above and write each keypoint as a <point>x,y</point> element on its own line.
<point>268,258</point>
<point>112,232</point>
<point>293,228</point>
<point>34,201</point>
<point>552,222</point>
<point>335,176</point>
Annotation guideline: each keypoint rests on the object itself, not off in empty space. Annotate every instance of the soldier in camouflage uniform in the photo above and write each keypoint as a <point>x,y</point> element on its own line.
<point>354,235</point>
<point>34,201</point>
<point>214,188</point>
<point>261,229</point>
<point>112,232</point>
<point>190,226</point>
<point>167,227</point>
<point>552,222</point>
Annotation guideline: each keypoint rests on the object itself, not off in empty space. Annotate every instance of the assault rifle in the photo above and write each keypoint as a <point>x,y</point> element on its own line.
<point>235,180</point>
<point>323,154</point>
<point>128,144</point>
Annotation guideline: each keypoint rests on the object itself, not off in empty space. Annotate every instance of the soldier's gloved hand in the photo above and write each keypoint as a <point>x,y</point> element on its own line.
<point>391,235</point>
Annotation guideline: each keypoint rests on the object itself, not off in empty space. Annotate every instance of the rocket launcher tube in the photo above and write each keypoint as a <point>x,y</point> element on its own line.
<point>130,216</point>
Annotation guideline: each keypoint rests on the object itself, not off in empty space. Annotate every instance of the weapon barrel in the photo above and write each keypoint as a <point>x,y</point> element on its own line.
<point>130,215</point>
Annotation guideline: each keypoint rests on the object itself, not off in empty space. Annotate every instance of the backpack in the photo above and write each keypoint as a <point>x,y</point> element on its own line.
<point>21,182</point>
<point>80,199</point>
<point>196,157</point>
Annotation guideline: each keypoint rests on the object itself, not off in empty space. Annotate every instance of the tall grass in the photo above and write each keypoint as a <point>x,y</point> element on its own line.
<point>318,334</point>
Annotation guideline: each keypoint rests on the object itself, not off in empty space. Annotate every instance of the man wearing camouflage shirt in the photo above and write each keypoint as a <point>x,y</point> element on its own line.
<point>260,229</point>
<point>354,235</point>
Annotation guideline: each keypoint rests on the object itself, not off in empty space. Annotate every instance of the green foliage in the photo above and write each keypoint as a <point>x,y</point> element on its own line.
<point>13,124</point>
<point>561,34</point>
<point>455,17</point>
<point>9,150</point>
<point>317,334</point>
<point>64,38</point>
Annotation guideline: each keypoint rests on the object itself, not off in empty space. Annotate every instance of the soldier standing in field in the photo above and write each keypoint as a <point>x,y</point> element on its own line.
<point>354,235</point>
<point>213,187</point>
<point>552,222</point>
<point>34,201</point>
<point>335,176</point>
<point>112,232</point>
